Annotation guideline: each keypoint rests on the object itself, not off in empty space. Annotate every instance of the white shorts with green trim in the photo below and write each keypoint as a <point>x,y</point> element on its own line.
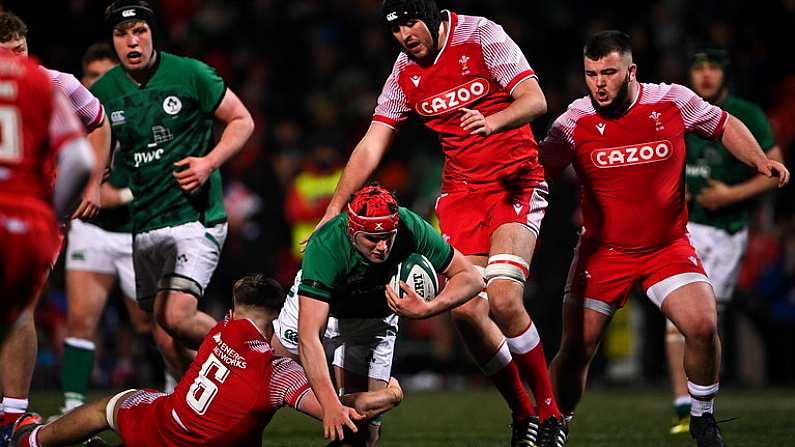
<point>721,254</point>
<point>181,258</point>
<point>93,249</point>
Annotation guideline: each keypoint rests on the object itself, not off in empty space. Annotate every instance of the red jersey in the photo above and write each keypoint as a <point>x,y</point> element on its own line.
<point>36,121</point>
<point>477,67</point>
<point>232,390</point>
<point>632,167</point>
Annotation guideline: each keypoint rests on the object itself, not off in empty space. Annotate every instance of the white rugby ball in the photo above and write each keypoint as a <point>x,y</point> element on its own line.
<point>418,273</point>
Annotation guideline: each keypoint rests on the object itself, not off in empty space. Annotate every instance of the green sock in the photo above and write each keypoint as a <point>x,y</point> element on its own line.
<point>78,361</point>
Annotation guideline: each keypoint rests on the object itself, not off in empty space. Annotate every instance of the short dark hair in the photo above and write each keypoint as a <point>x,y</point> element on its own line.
<point>258,291</point>
<point>605,42</point>
<point>99,51</point>
<point>12,27</point>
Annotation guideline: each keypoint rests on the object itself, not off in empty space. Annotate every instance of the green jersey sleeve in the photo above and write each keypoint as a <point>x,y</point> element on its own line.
<point>428,241</point>
<point>319,270</point>
<point>208,86</point>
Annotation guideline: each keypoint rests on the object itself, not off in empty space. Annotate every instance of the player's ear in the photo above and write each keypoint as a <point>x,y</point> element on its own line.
<point>633,72</point>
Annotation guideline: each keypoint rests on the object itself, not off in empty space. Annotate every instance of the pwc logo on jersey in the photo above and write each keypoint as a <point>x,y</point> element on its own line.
<point>453,99</point>
<point>635,154</point>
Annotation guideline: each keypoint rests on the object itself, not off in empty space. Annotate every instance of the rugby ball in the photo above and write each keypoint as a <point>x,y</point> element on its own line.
<point>418,272</point>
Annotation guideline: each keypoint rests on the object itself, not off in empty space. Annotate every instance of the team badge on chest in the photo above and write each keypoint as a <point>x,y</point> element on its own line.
<point>172,105</point>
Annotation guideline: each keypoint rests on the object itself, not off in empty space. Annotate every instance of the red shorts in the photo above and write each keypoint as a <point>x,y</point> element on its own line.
<point>28,239</point>
<point>468,218</point>
<point>603,277</point>
<point>137,419</point>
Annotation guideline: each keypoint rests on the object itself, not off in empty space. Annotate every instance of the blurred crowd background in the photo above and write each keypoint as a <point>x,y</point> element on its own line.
<point>310,72</point>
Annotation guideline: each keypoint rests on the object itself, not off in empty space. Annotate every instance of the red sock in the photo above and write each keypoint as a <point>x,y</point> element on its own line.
<point>7,418</point>
<point>528,353</point>
<point>509,383</point>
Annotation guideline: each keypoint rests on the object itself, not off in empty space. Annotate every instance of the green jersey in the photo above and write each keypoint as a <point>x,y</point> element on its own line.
<point>116,219</point>
<point>334,271</point>
<point>710,159</point>
<point>158,123</point>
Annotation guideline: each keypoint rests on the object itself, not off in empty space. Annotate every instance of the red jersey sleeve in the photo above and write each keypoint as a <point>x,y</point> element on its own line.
<point>63,126</point>
<point>557,149</point>
<point>288,383</point>
<point>504,58</point>
<point>83,103</point>
<point>393,106</point>
<point>700,117</point>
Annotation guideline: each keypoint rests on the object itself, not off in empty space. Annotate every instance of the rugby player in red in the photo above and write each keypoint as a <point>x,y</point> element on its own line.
<point>467,80</point>
<point>230,393</point>
<point>18,353</point>
<point>626,143</point>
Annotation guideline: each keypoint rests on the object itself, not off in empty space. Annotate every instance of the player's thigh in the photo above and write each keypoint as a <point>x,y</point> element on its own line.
<point>198,250</point>
<point>692,308</point>
<point>515,219</point>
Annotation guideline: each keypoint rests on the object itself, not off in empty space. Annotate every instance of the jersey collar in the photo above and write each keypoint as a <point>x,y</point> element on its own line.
<point>452,23</point>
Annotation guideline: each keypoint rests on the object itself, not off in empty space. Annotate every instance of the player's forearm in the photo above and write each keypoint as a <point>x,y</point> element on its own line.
<point>75,166</point>
<point>522,111</point>
<point>99,139</point>
<point>112,197</point>
<point>742,144</point>
<point>460,288</point>
<point>313,359</point>
<point>234,137</point>
<point>360,167</point>
<point>373,403</point>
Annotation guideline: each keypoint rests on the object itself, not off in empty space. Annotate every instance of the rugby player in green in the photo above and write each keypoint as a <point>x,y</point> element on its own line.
<point>719,186</point>
<point>162,109</point>
<point>347,263</point>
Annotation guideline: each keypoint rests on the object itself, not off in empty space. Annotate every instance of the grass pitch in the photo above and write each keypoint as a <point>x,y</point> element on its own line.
<point>614,417</point>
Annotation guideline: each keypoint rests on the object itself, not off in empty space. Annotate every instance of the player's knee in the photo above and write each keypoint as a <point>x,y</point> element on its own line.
<point>703,329</point>
<point>505,299</point>
<point>470,313</point>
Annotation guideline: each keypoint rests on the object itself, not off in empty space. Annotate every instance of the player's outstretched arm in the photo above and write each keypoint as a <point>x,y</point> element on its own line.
<point>463,283</point>
<point>239,126</point>
<point>742,144</point>
<point>528,104</point>
<point>312,318</point>
<point>718,195</point>
<point>363,160</point>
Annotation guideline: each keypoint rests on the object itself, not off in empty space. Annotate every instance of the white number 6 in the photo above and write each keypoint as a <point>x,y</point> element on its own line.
<point>203,390</point>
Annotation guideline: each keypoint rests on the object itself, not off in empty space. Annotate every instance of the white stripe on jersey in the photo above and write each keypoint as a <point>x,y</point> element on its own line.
<point>699,116</point>
<point>287,380</point>
<point>83,103</point>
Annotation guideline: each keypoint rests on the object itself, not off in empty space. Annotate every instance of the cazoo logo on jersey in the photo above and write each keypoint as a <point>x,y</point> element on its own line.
<point>635,154</point>
<point>454,98</point>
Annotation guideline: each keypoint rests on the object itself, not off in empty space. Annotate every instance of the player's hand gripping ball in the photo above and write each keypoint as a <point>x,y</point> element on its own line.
<point>418,273</point>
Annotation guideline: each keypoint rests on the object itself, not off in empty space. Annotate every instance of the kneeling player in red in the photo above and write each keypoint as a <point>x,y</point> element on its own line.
<point>230,393</point>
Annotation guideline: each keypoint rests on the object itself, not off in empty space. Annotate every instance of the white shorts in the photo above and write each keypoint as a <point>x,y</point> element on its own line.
<point>364,346</point>
<point>92,249</point>
<point>180,258</point>
<point>721,254</point>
